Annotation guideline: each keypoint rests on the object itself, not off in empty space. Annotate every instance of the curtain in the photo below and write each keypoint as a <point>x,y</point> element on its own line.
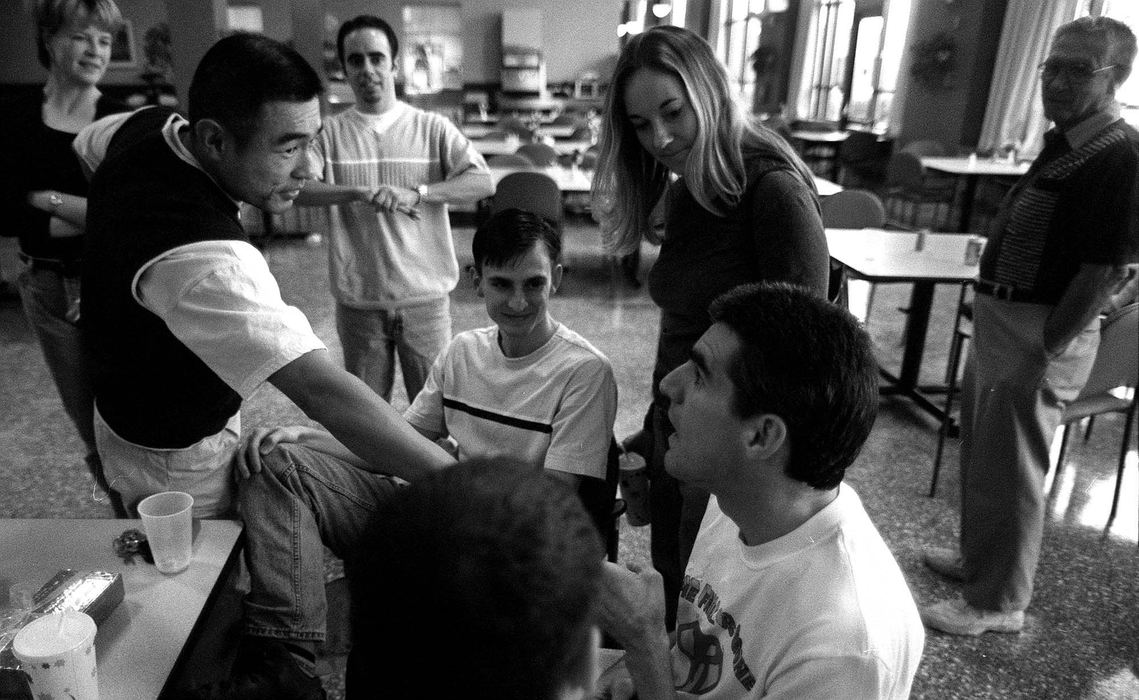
<point>1014,114</point>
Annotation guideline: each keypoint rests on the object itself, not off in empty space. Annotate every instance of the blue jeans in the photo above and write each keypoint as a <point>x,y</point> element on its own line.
<point>371,338</point>
<point>46,298</point>
<point>45,302</point>
<point>301,501</point>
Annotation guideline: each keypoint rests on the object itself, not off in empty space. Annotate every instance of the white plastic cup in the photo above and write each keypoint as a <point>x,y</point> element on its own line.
<point>166,518</point>
<point>57,652</point>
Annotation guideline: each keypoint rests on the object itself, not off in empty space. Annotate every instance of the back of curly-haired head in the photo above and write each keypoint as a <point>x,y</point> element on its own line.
<point>243,72</point>
<point>810,363</point>
<point>486,572</point>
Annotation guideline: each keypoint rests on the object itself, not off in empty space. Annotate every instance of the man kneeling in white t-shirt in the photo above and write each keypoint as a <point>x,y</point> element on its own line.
<point>527,387</point>
<point>790,591</point>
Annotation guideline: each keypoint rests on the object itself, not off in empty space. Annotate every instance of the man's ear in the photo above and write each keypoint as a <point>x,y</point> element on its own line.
<point>212,139</point>
<point>764,435</point>
<point>476,279</point>
<point>556,278</point>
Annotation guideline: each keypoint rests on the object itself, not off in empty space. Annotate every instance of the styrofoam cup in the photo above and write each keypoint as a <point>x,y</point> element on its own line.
<point>57,652</point>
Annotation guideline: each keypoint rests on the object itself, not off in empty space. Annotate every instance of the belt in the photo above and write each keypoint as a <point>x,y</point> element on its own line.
<point>1006,293</point>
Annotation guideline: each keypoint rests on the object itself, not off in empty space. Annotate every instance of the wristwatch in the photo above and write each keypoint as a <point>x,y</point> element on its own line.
<point>55,201</point>
<point>422,192</point>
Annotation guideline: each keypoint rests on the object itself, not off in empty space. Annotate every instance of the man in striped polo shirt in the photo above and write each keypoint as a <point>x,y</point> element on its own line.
<point>1056,252</point>
<point>390,170</point>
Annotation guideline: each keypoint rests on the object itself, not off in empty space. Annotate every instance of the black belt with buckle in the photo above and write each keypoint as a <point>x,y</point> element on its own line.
<point>1006,293</point>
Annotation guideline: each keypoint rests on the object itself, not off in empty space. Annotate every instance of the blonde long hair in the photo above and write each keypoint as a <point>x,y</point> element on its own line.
<point>629,181</point>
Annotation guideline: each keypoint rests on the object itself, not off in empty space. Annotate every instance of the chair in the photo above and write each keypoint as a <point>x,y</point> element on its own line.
<point>1111,386</point>
<point>514,125</point>
<point>925,147</point>
<point>540,154</point>
<point>600,500</point>
<point>907,184</point>
<point>581,133</point>
<point>533,191</point>
<point>850,209</point>
<point>862,160</point>
<point>509,160</point>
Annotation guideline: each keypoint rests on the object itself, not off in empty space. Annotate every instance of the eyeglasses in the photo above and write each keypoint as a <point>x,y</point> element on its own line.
<point>1072,72</point>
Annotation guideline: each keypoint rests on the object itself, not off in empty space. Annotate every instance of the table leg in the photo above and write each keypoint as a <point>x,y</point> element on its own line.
<point>917,323</point>
<point>967,197</point>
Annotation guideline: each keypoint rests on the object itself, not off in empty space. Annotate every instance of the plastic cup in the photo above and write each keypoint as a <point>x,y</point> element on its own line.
<point>634,482</point>
<point>57,652</point>
<point>166,518</point>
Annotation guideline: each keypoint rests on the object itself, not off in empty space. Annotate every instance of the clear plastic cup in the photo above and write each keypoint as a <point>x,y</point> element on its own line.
<point>166,518</point>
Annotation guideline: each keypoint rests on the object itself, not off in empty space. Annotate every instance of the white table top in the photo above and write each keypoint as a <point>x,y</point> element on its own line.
<point>495,147</point>
<point>820,136</point>
<point>889,256</point>
<point>963,165</point>
<point>139,643</point>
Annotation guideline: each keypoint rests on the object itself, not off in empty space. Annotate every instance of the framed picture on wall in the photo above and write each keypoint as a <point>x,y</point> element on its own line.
<point>122,48</point>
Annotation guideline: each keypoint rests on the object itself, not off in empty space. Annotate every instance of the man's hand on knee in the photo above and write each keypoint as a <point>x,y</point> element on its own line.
<point>260,443</point>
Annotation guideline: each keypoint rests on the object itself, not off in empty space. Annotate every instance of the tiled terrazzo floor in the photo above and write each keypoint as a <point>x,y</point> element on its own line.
<point>1082,637</point>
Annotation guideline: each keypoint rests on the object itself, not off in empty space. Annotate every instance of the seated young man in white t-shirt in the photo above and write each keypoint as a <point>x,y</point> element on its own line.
<point>790,591</point>
<point>526,387</point>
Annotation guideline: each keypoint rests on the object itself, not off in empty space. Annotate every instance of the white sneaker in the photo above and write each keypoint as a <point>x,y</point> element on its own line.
<point>958,617</point>
<point>945,561</point>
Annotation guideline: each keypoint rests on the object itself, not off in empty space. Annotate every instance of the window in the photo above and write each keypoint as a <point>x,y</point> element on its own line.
<point>827,85</point>
<point>738,40</point>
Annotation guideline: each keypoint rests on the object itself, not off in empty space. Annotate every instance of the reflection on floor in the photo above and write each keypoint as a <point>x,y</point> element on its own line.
<point>1082,635</point>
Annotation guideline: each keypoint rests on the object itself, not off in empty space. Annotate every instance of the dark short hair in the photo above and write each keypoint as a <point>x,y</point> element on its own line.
<point>366,22</point>
<point>241,73</point>
<point>808,362</point>
<point>490,567</point>
<point>1114,37</point>
<point>53,15</point>
<point>510,234</point>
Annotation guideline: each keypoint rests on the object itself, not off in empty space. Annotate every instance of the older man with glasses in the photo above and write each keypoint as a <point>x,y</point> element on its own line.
<point>1056,252</point>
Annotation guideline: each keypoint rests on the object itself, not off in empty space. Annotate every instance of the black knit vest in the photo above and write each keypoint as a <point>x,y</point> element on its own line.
<point>144,200</point>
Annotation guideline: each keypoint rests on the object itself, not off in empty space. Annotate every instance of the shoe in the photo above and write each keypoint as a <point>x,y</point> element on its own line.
<point>263,670</point>
<point>945,561</point>
<point>958,617</point>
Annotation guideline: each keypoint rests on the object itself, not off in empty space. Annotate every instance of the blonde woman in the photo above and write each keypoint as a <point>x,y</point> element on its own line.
<point>739,207</point>
<point>45,192</point>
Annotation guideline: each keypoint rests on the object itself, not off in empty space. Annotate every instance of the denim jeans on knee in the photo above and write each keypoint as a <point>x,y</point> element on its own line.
<point>300,502</point>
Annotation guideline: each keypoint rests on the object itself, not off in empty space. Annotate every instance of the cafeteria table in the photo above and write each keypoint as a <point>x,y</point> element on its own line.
<point>971,170</point>
<point>828,141</point>
<point>579,180</point>
<point>146,642</point>
<point>891,256</point>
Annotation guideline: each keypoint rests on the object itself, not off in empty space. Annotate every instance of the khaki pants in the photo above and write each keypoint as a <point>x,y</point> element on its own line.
<point>1013,397</point>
